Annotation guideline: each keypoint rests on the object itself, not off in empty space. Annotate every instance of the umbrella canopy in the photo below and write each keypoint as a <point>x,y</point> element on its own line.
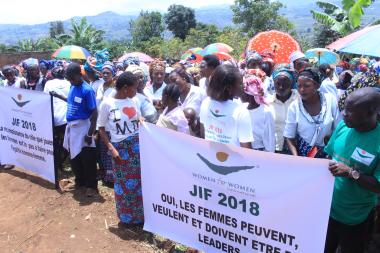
<point>281,44</point>
<point>363,42</point>
<point>71,53</point>
<point>323,56</point>
<point>141,56</point>
<point>193,51</point>
<point>215,48</point>
<point>223,56</point>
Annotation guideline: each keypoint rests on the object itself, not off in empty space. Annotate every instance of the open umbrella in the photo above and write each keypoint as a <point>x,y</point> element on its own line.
<point>141,56</point>
<point>71,53</point>
<point>281,44</point>
<point>223,56</point>
<point>323,56</point>
<point>363,42</point>
<point>215,48</point>
<point>193,51</point>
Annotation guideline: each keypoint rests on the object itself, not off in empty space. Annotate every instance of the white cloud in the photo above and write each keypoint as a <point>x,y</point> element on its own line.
<point>40,11</point>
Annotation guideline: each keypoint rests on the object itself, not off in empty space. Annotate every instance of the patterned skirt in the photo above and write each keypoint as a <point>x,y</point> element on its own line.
<point>304,149</point>
<point>105,162</point>
<point>127,184</point>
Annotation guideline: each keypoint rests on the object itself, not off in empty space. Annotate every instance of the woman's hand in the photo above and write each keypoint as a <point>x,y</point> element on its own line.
<point>116,156</point>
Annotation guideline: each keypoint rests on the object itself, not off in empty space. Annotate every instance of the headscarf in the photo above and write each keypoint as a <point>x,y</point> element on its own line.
<point>253,86</point>
<point>155,65</point>
<point>110,66</point>
<point>45,63</point>
<point>257,72</point>
<point>131,61</point>
<point>29,62</point>
<point>96,63</point>
<point>363,68</point>
<point>253,56</point>
<point>135,69</point>
<point>58,72</point>
<point>311,74</point>
<point>285,70</point>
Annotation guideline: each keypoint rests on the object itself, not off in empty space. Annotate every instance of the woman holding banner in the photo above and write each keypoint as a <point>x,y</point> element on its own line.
<point>121,116</point>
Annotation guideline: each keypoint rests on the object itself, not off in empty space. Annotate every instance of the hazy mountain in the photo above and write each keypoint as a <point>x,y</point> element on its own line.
<point>116,25</point>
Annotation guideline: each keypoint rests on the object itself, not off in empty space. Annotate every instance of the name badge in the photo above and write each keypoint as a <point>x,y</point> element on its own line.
<point>362,156</point>
<point>78,100</point>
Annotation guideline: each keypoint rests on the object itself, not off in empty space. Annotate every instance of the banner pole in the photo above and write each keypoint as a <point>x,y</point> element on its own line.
<point>54,145</point>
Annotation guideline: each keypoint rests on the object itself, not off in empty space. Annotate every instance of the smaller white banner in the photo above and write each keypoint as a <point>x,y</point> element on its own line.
<point>26,131</point>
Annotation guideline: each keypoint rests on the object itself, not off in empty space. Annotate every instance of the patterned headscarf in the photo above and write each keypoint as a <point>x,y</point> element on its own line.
<point>131,61</point>
<point>254,86</point>
<point>253,56</point>
<point>110,66</point>
<point>257,72</point>
<point>155,65</point>
<point>285,70</point>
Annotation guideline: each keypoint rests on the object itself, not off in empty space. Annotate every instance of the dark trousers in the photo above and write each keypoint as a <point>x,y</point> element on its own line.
<point>60,153</point>
<point>84,168</point>
<point>350,238</point>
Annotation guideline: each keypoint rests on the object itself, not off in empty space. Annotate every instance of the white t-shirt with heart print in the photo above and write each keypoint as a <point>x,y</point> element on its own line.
<point>121,116</point>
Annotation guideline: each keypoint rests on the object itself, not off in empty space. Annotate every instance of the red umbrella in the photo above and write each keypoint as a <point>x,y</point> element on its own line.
<point>141,56</point>
<point>223,56</point>
<point>281,44</point>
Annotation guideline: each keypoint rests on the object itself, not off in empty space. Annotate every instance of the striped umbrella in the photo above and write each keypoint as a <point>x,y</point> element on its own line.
<point>216,48</point>
<point>71,53</point>
<point>363,42</point>
<point>193,51</point>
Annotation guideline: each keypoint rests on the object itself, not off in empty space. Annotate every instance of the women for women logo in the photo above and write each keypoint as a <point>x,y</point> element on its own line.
<point>19,101</point>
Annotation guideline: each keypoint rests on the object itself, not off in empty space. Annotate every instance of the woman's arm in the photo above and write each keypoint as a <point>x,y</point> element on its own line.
<point>111,148</point>
<point>292,146</point>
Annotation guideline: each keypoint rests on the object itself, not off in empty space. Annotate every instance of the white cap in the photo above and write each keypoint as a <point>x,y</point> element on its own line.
<point>296,55</point>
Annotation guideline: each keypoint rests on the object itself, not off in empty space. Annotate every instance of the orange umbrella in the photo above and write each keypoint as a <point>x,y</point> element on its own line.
<point>281,44</point>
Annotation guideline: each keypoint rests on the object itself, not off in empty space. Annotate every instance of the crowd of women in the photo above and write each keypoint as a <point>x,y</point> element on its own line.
<point>284,108</point>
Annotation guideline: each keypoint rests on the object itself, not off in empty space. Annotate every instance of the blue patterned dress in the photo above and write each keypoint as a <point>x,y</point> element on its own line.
<point>127,185</point>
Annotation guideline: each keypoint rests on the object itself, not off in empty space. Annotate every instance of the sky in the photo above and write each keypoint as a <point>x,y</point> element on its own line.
<point>42,11</point>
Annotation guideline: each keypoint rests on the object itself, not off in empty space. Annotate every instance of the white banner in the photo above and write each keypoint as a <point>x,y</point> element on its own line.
<point>222,198</point>
<point>26,131</point>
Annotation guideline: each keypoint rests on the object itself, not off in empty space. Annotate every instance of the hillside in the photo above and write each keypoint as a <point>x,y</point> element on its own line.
<point>116,25</point>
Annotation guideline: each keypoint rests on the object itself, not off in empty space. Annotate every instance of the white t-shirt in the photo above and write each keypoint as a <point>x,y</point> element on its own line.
<point>226,122</point>
<point>61,87</point>
<point>193,99</point>
<point>96,84</point>
<point>104,93</point>
<point>203,83</point>
<point>148,111</point>
<point>299,122</point>
<point>120,116</point>
<point>17,83</point>
<point>177,118</point>
<point>328,86</point>
<point>262,120</point>
<point>154,95</point>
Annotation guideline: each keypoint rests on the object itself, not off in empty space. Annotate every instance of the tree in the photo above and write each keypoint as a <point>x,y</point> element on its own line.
<point>147,26</point>
<point>341,20</point>
<point>173,48</point>
<point>202,35</point>
<point>56,28</point>
<point>82,34</point>
<point>234,37</point>
<point>180,20</point>
<point>324,36</point>
<point>259,15</point>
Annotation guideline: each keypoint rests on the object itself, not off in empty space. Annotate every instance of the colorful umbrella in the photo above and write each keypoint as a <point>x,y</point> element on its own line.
<point>363,42</point>
<point>323,56</point>
<point>215,48</point>
<point>193,51</point>
<point>71,53</point>
<point>281,44</point>
<point>141,56</point>
<point>223,56</point>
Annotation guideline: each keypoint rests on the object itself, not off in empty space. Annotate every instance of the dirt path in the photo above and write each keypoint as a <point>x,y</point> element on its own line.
<point>36,218</point>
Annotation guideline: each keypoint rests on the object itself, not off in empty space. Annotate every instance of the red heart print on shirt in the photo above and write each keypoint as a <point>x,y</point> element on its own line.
<point>129,111</point>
